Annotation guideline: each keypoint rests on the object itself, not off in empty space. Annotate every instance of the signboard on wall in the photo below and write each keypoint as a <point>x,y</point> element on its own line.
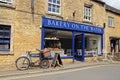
<point>60,24</point>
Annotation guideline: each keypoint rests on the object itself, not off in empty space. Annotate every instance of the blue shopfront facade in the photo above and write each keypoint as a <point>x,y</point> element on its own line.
<point>74,28</point>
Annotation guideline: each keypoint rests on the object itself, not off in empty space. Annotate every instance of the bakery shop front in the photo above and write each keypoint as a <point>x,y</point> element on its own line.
<point>71,39</point>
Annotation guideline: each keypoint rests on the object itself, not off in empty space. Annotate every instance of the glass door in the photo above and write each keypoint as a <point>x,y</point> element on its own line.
<point>78,46</point>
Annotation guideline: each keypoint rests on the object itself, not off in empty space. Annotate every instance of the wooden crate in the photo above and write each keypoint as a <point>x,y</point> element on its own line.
<point>46,54</point>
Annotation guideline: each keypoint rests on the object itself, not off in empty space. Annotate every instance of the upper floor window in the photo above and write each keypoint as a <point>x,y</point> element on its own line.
<point>5,37</point>
<point>54,6</point>
<point>110,21</point>
<point>6,1</point>
<point>87,13</point>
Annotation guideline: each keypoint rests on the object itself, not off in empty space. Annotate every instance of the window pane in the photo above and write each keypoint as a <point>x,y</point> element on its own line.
<point>53,9</point>
<point>92,44</point>
<point>112,22</point>
<point>54,1</point>
<point>50,0</point>
<point>4,46</point>
<point>1,28</point>
<point>9,0</point>
<point>89,18</point>
<point>49,7</point>
<point>58,1</point>
<point>57,9</point>
<point>109,21</point>
<point>4,37</point>
<point>87,12</point>
<point>1,34</point>
<point>3,40</point>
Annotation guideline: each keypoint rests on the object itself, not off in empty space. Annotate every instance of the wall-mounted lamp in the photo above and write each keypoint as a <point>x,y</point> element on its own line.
<point>104,25</point>
<point>40,26</point>
<point>74,12</point>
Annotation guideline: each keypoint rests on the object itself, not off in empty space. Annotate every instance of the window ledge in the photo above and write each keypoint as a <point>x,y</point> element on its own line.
<point>53,14</point>
<point>111,27</point>
<point>62,57</point>
<point>7,5</point>
<point>88,22</point>
<point>5,52</point>
<point>92,55</point>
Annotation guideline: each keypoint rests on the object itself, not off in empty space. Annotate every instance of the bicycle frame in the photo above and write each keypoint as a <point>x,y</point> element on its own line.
<point>43,62</point>
<point>31,55</point>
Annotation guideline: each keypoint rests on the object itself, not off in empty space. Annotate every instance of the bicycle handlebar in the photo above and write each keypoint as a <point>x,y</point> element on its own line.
<point>43,51</point>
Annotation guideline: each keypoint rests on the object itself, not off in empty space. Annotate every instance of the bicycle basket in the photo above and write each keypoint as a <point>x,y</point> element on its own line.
<point>46,54</point>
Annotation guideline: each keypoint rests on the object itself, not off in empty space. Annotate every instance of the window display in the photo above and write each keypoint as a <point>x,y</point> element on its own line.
<point>93,44</point>
<point>58,41</point>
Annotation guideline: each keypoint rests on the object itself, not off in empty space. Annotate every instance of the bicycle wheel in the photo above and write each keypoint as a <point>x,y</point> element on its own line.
<point>44,63</point>
<point>22,63</point>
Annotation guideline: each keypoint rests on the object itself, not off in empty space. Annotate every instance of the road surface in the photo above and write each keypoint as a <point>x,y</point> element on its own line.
<point>105,72</point>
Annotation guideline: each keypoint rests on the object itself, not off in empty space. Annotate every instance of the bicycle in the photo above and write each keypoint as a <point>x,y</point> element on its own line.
<point>24,62</point>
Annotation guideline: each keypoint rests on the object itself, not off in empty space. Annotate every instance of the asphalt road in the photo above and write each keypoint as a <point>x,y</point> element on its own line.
<point>109,72</point>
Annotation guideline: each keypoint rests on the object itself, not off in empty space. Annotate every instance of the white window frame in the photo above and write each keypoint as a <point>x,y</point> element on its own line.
<point>6,1</point>
<point>56,5</point>
<point>87,14</point>
<point>110,21</point>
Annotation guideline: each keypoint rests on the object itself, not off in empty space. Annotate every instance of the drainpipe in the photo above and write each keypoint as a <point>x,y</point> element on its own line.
<point>32,9</point>
<point>32,5</point>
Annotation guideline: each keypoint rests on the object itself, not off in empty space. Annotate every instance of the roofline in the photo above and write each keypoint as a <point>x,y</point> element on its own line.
<point>112,9</point>
<point>99,1</point>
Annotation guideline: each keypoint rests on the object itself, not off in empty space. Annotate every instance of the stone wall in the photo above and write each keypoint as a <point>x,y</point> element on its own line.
<point>111,31</point>
<point>25,31</point>
<point>26,24</point>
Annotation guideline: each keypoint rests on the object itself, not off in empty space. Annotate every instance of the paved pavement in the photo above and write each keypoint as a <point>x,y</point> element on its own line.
<point>34,70</point>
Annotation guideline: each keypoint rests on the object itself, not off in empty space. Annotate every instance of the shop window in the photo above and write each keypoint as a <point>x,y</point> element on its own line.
<point>87,13</point>
<point>6,1</point>
<point>93,44</point>
<point>110,22</point>
<point>54,6</point>
<point>58,41</point>
<point>4,37</point>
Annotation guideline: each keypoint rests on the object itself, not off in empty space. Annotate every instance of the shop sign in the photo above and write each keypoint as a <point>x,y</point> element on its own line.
<point>48,22</point>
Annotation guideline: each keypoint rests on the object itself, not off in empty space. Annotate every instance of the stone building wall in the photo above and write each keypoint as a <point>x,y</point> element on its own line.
<point>111,31</point>
<point>25,31</point>
<point>26,23</point>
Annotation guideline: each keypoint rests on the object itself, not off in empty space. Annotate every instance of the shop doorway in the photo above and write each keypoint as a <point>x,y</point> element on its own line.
<point>78,53</point>
<point>114,43</point>
<point>115,47</point>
